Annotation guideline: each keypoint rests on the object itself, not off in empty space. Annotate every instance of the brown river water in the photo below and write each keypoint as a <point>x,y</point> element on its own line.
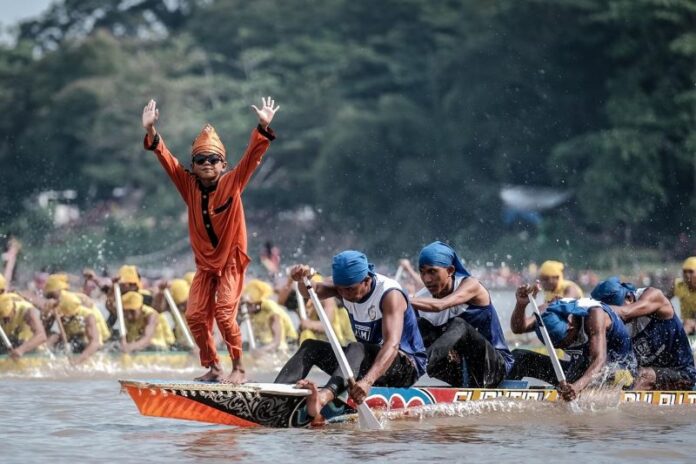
<point>68,416</point>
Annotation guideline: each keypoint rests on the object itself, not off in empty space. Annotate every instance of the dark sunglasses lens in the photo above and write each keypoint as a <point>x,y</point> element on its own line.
<point>201,159</point>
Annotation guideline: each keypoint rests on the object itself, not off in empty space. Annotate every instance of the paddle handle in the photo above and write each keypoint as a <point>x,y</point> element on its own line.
<point>560,376</point>
<point>119,311</point>
<point>246,320</point>
<point>301,308</point>
<point>399,273</point>
<point>179,318</point>
<point>5,340</point>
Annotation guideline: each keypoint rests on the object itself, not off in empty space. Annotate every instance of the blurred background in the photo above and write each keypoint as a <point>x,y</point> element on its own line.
<point>517,130</point>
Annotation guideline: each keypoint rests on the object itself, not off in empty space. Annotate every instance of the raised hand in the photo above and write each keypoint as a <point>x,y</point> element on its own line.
<point>150,116</point>
<point>267,111</point>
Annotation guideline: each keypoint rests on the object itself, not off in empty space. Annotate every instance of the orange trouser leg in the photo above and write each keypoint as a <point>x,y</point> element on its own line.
<point>200,314</point>
<point>229,290</point>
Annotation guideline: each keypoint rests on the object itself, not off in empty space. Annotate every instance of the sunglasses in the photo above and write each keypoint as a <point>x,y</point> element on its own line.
<point>212,159</point>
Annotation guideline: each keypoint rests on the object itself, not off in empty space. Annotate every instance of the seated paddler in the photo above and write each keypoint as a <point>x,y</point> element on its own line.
<point>389,349</point>
<point>594,337</point>
<point>660,342</point>
<point>459,324</point>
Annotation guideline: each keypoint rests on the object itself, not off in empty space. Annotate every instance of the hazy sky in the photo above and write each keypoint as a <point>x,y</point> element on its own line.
<point>11,11</point>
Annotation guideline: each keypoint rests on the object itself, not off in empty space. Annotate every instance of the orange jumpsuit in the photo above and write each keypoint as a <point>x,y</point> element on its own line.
<point>217,230</point>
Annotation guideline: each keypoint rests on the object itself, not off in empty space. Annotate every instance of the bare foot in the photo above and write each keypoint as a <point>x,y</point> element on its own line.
<point>316,400</point>
<point>236,377</point>
<point>213,375</point>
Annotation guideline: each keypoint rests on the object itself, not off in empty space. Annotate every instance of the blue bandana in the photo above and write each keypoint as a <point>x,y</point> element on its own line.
<point>350,267</point>
<point>556,319</point>
<point>612,291</point>
<point>442,255</point>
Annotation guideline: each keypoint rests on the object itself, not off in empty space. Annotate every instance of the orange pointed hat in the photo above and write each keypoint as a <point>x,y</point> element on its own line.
<point>208,142</point>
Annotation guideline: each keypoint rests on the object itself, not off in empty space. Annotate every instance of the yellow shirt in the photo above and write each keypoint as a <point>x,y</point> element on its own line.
<point>261,323</point>
<point>75,326</point>
<point>18,329</point>
<point>563,285</point>
<point>163,336</point>
<point>341,326</point>
<point>687,299</point>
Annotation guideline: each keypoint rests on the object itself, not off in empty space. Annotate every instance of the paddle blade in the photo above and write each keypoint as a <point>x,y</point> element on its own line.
<point>367,419</point>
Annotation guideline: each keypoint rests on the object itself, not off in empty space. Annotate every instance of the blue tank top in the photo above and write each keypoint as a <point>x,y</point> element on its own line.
<point>366,320</point>
<point>486,322</point>
<point>619,347</point>
<point>664,343</point>
<point>483,318</point>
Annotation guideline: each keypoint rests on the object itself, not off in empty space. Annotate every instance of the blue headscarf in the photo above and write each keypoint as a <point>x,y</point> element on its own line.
<point>612,291</point>
<point>555,319</point>
<point>442,255</point>
<point>350,267</point>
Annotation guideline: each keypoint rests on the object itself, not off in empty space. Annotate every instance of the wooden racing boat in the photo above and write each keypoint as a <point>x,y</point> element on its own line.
<point>283,406</point>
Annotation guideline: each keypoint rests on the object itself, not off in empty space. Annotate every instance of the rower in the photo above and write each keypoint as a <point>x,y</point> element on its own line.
<point>128,280</point>
<point>85,327</point>
<point>588,330</point>
<point>146,329</point>
<point>659,340</point>
<point>554,284</point>
<point>22,324</point>
<point>459,322</point>
<point>389,349</point>
<point>685,290</point>
<point>272,325</point>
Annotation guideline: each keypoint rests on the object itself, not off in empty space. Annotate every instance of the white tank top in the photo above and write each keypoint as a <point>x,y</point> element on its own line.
<point>367,315</point>
<point>441,318</point>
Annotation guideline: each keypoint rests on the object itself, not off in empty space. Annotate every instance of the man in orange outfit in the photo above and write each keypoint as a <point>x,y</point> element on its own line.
<point>217,230</point>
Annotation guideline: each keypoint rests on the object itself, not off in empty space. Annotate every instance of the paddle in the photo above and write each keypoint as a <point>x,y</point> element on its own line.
<point>63,335</point>
<point>246,320</point>
<point>557,368</point>
<point>119,312</point>
<point>366,417</point>
<point>179,319</point>
<point>5,340</point>
<point>301,309</point>
<point>399,273</point>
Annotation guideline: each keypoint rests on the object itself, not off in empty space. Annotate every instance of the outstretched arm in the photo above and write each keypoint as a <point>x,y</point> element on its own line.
<point>258,143</point>
<point>154,142</point>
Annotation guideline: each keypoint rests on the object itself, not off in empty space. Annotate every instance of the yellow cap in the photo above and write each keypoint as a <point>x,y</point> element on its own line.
<point>132,301</point>
<point>69,304</point>
<point>56,283</point>
<point>257,290</point>
<point>3,283</point>
<point>689,264</point>
<point>317,278</point>
<point>7,301</point>
<point>551,269</point>
<point>129,275</point>
<point>188,277</point>
<point>180,290</point>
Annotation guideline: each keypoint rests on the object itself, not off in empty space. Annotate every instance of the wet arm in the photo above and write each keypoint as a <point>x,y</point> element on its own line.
<point>596,327</point>
<point>93,337</point>
<point>144,341</point>
<point>33,318</point>
<point>651,302</point>
<point>393,310</point>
